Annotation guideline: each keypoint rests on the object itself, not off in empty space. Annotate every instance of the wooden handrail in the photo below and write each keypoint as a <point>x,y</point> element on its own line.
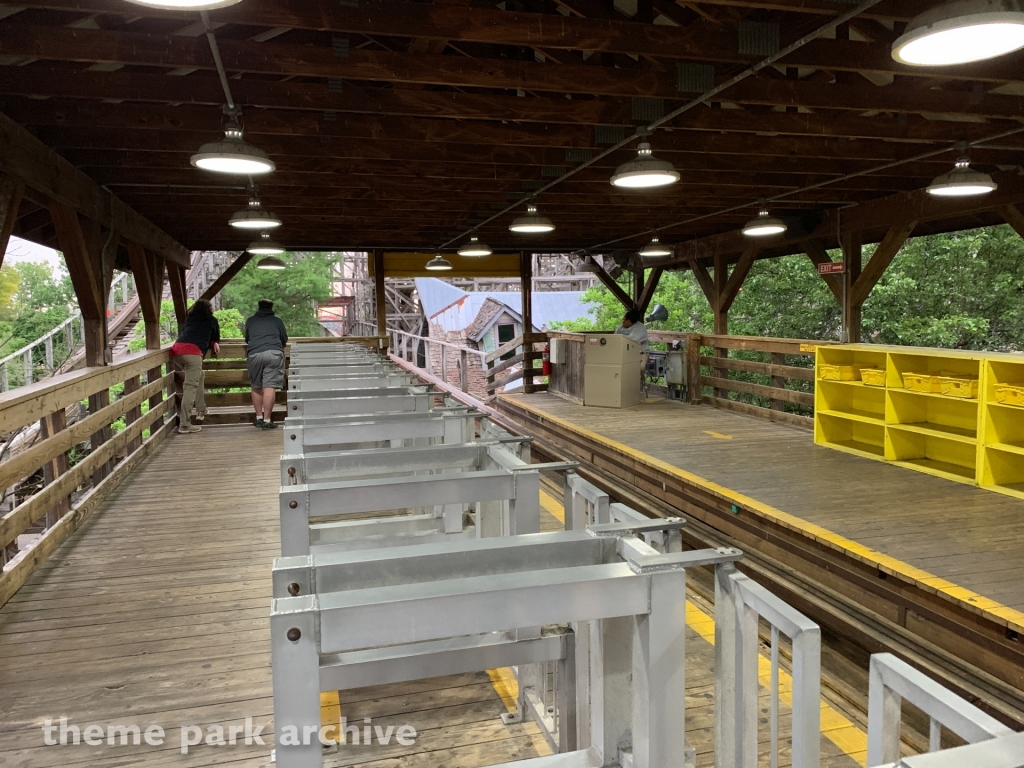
<point>26,405</point>
<point>46,403</point>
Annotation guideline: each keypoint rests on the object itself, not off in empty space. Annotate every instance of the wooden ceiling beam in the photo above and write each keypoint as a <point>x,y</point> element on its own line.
<point>11,192</point>
<point>26,158</point>
<point>168,51</point>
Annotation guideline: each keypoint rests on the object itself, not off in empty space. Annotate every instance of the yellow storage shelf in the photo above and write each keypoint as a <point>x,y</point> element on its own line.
<point>974,440</point>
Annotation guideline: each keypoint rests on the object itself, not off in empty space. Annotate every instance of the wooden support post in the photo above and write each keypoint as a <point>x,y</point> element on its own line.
<point>379,293</point>
<point>647,294</point>
<point>638,286</point>
<point>154,374</point>
<point>721,315</point>
<point>859,287</point>
<point>148,270</point>
<point>778,358</point>
<point>11,192</point>
<point>852,254</point>
<point>463,370</point>
<point>227,276</point>
<point>1011,213</point>
<point>815,250</point>
<point>48,427</point>
<point>133,384</point>
<point>526,287</point>
<point>444,363</point>
<point>176,278</point>
<point>84,262</point>
<point>96,403</point>
<point>693,344</point>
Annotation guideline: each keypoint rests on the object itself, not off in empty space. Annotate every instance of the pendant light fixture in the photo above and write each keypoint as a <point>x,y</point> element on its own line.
<point>185,5</point>
<point>254,217</point>
<point>588,266</point>
<point>271,262</point>
<point>475,249</point>
<point>439,264</point>
<point>232,154</point>
<point>764,224</point>
<point>645,171</point>
<point>960,32</point>
<point>531,223</point>
<point>655,248</point>
<point>962,181</point>
<point>265,246</point>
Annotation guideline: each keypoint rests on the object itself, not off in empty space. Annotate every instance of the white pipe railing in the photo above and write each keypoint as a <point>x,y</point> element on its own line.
<point>122,290</point>
<point>890,680</point>
<point>406,345</point>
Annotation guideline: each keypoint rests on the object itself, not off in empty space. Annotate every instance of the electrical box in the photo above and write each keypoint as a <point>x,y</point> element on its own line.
<point>610,349</point>
<point>559,348</point>
<point>611,371</point>
<point>675,368</point>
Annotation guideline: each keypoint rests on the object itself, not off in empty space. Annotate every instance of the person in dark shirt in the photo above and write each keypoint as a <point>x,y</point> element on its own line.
<point>265,337</point>
<point>200,334</point>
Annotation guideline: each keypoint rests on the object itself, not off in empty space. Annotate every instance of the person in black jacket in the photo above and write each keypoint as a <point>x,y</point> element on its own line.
<point>200,334</point>
<point>265,337</point>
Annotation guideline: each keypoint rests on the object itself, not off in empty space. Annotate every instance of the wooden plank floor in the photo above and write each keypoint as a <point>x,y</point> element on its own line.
<point>156,613</point>
<point>973,538</point>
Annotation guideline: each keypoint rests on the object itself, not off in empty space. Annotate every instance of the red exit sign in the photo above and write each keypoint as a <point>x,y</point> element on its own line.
<point>831,268</point>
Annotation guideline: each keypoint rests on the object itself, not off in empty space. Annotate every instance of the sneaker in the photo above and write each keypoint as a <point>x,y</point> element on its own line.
<point>269,425</point>
<point>258,423</point>
<point>201,416</point>
<point>183,430</point>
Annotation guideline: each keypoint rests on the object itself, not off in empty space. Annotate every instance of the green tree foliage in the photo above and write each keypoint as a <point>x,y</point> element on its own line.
<point>295,291</point>
<point>960,290</point>
<point>37,300</point>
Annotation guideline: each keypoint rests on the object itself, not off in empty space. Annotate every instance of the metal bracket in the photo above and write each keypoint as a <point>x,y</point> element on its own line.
<point>611,530</point>
<point>679,561</point>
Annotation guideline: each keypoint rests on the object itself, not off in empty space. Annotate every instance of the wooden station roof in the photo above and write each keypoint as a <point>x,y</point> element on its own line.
<point>401,124</point>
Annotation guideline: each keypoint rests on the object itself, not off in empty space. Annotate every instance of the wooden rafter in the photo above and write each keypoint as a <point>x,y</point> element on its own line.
<point>227,275</point>
<point>11,191</point>
<point>148,271</point>
<point>880,260</point>
<point>815,250</point>
<point>1013,216</point>
<point>737,276</point>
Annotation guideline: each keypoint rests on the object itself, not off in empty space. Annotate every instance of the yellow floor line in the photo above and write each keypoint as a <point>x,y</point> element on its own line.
<point>330,713</point>
<point>962,596</point>
<point>506,686</point>
<point>550,505</point>
<point>834,726</point>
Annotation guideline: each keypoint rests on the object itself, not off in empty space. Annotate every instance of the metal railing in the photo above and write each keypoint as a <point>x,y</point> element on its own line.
<point>890,680</point>
<point>71,332</point>
<point>406,346</point>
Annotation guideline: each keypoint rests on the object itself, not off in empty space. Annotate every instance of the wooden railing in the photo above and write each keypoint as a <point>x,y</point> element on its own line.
<point>406,346</point>
<point>765,377</point>
<point>523,353</point>
<point>71,493</point>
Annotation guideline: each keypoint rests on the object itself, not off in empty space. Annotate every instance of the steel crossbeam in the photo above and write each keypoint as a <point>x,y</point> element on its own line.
<point>332,433</point>
<point>436,593</point>
<point>361,401</point>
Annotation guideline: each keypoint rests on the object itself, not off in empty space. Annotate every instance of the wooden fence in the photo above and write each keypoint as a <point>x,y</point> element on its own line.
<point>70,494</point>
<point>765,377</point>
<point>524,352</point>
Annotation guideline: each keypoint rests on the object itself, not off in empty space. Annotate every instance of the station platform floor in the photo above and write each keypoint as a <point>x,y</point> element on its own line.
<point>961,546</point>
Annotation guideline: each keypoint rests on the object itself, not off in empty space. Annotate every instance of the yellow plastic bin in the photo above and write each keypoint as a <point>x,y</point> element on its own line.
<point>1010,394</point>
<point>839,372</point>
<point>872,377</point>
<point>922,382</point>
<point>959,386</point>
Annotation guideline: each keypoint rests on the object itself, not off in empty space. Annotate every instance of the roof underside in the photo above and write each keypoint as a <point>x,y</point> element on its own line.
<point>402,124</point>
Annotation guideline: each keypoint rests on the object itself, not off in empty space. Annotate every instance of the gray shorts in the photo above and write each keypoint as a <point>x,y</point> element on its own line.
<point>266,369</point>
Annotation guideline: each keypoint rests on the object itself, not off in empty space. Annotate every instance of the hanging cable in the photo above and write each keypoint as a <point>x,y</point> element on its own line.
<point>647,130</point>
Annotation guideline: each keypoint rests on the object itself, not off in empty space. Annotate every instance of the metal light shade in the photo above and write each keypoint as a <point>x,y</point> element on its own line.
<point>265,247</point>
<point>763,225</point>
<point>587,266</point>
<point>644,172</point>
<point>475,248</point>
<point>271,262</point>
<point>233,155</point>
<point>960,32</point>
<point>962,181</point>
<point>439,264</point>
<point>185,5</point>
<point>655,248</point>
<point>531,223</point>
<point>254,217</point>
